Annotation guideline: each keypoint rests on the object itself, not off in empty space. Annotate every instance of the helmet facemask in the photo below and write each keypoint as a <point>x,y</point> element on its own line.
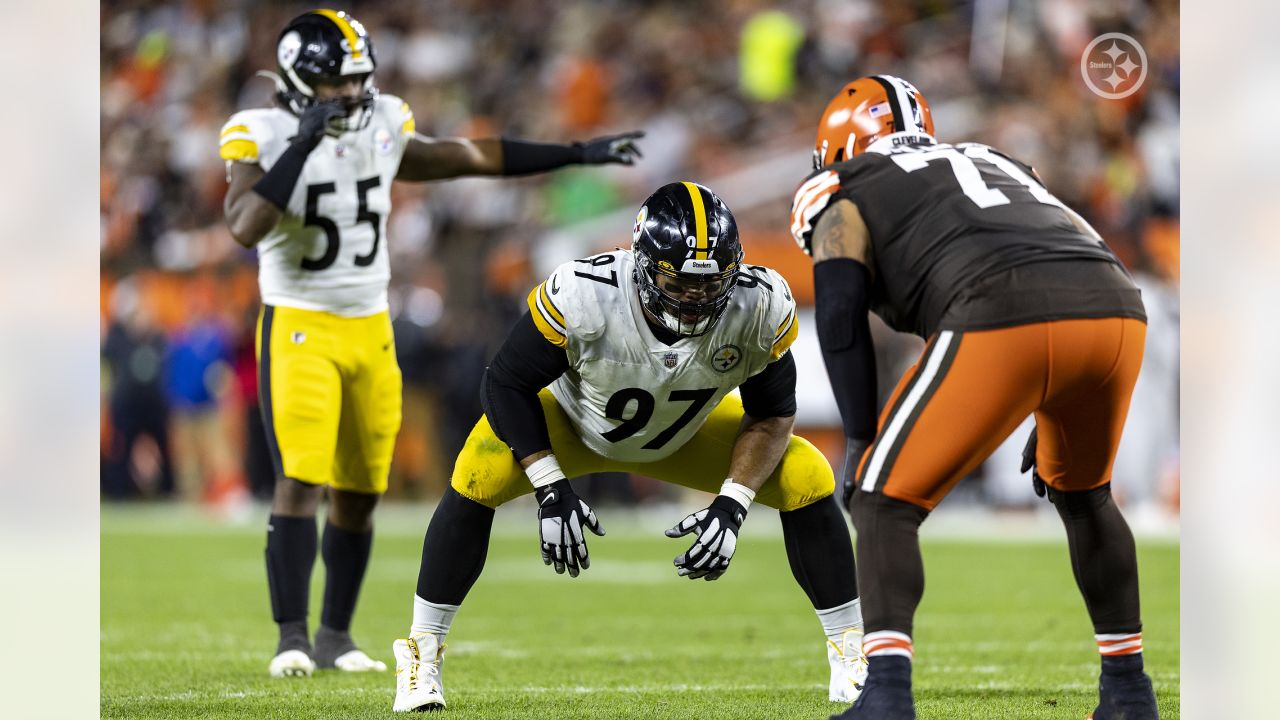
<point>359,108</point>
<point>684,303</point>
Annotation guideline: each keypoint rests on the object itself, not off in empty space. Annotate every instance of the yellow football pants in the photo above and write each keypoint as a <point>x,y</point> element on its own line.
<point>330,391</point>
<point>487,472</point>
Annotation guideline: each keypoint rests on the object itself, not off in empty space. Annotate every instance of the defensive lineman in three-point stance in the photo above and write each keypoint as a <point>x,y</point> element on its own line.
<point>310,186</point>
<point>625,362</point>
<point>1025,310</point>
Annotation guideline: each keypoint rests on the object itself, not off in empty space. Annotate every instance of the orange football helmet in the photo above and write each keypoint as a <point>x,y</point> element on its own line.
<point>866,110</point>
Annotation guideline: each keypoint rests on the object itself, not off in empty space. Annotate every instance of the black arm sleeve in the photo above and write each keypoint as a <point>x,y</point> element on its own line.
<point>842,287</point>
<point>276,186</point>
<point>522,158</point>
<point>525,364</point>
<point>772,391</point>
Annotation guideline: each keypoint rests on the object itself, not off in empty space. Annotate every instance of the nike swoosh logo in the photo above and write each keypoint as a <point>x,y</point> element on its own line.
<point>549,498</point>
<point>555,287</point>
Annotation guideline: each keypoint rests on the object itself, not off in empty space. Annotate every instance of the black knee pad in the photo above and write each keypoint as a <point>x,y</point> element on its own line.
<point>1080,503</point>
<point>869,508</point>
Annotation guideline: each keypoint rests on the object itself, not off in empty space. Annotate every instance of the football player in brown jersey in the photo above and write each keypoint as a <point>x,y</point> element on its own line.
<point>1025,310</point>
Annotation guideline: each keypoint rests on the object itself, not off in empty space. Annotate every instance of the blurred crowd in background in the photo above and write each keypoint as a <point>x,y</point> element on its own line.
<point>728,92</point>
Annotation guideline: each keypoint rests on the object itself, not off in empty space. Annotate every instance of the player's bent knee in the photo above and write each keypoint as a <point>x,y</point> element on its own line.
<point>486,472</point>
<point>871,511</point>
<point>803,477</point>
<point>1081,503</point>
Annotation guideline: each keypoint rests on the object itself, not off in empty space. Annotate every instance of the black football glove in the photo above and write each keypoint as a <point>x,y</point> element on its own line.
<point>561,517</point>
<point>853,452</point>
<point>1029,463</point>
<point>314,123</point>
<point>612,149</point>
<point>717,528</point>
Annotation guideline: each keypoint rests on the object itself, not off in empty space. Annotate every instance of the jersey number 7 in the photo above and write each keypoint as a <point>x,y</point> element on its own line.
<point>970,178</point>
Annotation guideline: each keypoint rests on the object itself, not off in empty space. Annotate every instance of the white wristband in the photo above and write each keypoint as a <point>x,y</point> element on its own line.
<point>544,471</point>
<point>743,494</point>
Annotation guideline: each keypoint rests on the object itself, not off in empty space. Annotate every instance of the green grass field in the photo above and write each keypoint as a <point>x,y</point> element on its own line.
<point>1002,632</point>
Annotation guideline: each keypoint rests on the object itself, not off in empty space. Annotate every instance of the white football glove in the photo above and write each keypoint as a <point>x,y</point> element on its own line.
<point>561,517</point>
<point>717,527</point>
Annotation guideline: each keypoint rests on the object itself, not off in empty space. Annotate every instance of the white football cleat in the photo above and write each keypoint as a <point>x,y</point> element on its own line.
<point>848,667</point>
<point>418,685</point>
<point>357,661</point>
<point>292,663</point>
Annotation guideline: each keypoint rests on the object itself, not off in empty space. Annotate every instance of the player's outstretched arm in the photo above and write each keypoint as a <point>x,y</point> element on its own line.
<point>769,402</point>
<point>524,365</point>
<point>438,159</point>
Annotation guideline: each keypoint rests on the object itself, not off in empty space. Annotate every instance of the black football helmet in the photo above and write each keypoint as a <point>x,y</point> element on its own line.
<point>325,47</point>
<point>687,253</point>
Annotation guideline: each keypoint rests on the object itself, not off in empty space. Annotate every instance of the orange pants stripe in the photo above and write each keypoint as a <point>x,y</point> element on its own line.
<point>971,389</point>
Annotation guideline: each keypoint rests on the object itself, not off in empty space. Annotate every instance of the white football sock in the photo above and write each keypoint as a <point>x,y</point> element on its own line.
<point>837,620</point>
<point>431,618</point>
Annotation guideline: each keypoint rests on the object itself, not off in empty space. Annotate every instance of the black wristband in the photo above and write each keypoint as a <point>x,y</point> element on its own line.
<point>522,158</point>
<point>276,187</point>
<point>737,514</point>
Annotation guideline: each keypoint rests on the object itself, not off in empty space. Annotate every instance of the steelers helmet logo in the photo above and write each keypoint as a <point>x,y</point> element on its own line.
<point>639,226</point>
<point>288,49</point>
<point>726,358</point>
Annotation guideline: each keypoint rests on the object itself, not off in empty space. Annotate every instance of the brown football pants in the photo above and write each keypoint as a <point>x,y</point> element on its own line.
<point>971,389</point>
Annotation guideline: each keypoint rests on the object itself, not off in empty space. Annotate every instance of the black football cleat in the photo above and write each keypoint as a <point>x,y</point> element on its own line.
<point>1127,696</point>
<point>887,693</point>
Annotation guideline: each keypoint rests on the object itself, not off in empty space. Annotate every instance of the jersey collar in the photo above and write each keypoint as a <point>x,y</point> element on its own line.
<point>887,143</point>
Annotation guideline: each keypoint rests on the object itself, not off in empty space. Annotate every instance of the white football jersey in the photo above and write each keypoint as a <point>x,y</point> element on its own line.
<point>631,397</point>
<point>328,252</point>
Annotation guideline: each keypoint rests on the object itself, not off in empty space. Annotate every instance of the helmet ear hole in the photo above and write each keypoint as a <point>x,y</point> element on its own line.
<point>839,155</point>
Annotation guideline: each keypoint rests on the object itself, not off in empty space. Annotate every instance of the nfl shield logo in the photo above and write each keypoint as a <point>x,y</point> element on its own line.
<point>669,360</point>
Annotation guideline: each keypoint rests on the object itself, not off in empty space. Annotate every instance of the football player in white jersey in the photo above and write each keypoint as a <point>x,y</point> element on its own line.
<point>625,362</point>
<point>310,187</point>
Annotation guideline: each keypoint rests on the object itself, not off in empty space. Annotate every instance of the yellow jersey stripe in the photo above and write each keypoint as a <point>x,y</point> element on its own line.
<point>785,324</point>
<point>409,125</point>
<point>783,343</point>
<point>550,306</point>
<point>700,222</point>
<point>348,32</point>
<point>239,150</point>
<point>235,128</point>
<point>553,336</point>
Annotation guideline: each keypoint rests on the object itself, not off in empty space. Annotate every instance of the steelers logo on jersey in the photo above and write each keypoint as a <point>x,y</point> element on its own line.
<point>383,141</point>
<point>726,358</point>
